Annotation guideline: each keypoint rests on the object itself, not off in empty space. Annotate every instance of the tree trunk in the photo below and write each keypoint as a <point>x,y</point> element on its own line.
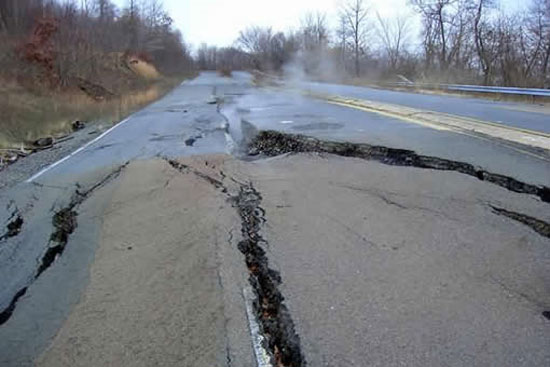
<point>357,40</point>
<point>480,47</point>
<point>3,25</point>
<point>443,57</point>
<point>545,66</point>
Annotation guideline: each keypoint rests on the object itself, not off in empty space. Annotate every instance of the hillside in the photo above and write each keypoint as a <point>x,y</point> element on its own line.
<point>61,63</point>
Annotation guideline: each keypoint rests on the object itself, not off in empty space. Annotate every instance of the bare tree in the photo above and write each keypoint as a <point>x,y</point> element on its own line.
<point>343,38</point>
<point>3,22</point>
<point>508,60</point>
<point>132,23</point>
<point>393,36</point>
<point>257,42</point>
<point>546,34</point>
<point>462,41</point>
<point>485,39</point>
<point>314,31</point>
<point>440,22</point>
<point>535,40</point>
<point>355,12</point>
<point>255,39</point>
<point>16,16</point>
<point>84,36</point>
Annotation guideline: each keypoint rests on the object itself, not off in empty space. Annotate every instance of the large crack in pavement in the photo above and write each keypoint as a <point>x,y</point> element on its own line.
<point>13,228</point>
<point>274,317</point>
<point>539,226</point>
<point>273,143</point>
<point>277,327</point>
<point>64,222</point>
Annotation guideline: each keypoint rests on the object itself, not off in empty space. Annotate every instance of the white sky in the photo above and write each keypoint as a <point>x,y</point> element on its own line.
<point>218,22</point>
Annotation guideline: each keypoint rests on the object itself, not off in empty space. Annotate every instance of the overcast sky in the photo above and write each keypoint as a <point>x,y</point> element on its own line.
<point>218,22</point>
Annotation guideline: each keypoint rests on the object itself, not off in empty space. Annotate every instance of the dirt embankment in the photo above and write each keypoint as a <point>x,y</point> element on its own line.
<point>36,117</point>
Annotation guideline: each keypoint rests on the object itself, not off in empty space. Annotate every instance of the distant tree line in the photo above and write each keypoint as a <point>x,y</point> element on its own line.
<point>77,38</point>
<point>466,41</point>
<point>475,38</point>
<point>217,58</point>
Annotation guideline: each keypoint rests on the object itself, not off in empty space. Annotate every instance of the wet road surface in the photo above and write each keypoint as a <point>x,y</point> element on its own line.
<point>505,113</point>
<point>164,127</point>
<point>203,116</point>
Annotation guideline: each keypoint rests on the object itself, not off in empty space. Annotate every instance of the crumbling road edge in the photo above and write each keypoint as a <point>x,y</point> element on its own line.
<point>64,222</point>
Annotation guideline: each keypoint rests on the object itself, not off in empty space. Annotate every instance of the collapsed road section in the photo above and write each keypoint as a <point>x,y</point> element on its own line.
<point>382,265</point>
<point>367,251</point>
<point>64,222</point>
<point>272,143</point>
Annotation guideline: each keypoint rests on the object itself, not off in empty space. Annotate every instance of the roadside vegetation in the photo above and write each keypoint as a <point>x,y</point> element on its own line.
<point>460,41</point>
<point>225,72</point>
<point>62,61</point>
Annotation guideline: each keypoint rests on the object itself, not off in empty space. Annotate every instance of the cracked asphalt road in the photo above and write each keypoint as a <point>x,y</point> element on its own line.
<point>378,265</point>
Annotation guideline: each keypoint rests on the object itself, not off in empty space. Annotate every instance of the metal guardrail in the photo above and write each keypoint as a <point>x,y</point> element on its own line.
<point>478,89</point>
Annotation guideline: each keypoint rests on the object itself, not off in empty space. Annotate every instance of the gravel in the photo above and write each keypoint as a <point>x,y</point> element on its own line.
<point>25,167</point>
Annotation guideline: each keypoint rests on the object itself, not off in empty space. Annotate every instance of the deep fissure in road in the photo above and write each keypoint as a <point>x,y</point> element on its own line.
<point>64,222</point>
<point>273,315</point>
<point>277,327</point>
<point>273,143</point>
<point>13,227</point>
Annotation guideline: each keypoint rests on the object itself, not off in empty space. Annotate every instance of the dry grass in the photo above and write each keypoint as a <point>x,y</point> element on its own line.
<point>27,116</point>
<point>143,69</point>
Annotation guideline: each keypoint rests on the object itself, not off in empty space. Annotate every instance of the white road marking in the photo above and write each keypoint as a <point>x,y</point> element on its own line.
<point>262,357</point>
<point>34,177</point>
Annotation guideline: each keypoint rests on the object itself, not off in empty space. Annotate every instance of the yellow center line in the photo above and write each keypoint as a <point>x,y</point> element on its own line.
<point>438,126</point>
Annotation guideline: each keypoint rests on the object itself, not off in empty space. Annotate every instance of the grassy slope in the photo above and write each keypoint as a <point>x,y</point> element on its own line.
<point>27,115</point>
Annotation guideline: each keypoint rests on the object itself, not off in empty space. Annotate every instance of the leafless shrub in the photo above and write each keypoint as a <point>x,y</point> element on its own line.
<point>225,72</point>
